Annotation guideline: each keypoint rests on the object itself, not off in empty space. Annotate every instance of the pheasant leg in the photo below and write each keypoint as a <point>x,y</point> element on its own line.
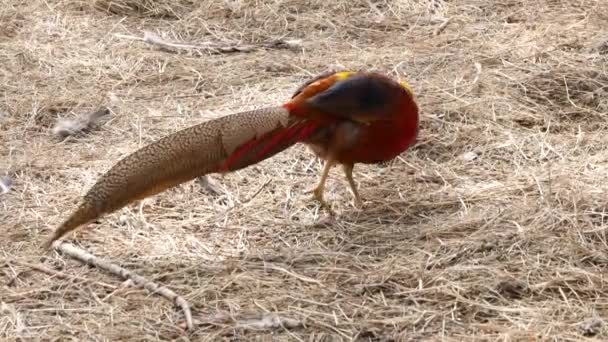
<point>317,192</point>
<point>348,172</point>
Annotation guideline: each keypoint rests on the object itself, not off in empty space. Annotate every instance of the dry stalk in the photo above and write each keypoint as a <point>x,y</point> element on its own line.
<point>58,274</point>
<point>441,27</point>
<point>269,322</point>
<point>81,125</point>
<point>89,259</point>
<point>5,184</point>
<point>213,48</point>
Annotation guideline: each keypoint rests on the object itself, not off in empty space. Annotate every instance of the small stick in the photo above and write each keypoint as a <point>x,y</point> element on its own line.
<point>5,185</point>
<point>59,274</point>
<point>441,27</point>
<point>90,259</point>
<point>477,74</point>
<point>255,194</point>
<point>269,322</point>
<point>153,39</point>
<point>83,124</point>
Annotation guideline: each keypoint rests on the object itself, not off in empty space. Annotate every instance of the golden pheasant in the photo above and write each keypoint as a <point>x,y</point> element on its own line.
<point>344,117</point>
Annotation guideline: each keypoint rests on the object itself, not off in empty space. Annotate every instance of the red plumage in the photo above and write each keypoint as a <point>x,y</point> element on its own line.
<point>345,118</point>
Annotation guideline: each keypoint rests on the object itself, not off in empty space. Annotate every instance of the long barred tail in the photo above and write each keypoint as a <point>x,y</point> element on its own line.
<point>225,144</point>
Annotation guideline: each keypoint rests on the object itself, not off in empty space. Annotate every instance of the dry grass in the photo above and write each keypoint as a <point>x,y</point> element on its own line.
<point>492,228</point>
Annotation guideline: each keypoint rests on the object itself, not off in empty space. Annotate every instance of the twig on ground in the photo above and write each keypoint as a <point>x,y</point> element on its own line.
<point>295,275</point>
<point>257,192</point>
<point>83,124</point>
<point>477,73</point>
<point>441,27</point>
<point>215,48</point>
<point>90,259</point>
<point>268,322</point>
<point>5,184</point>
<point>59,274</point>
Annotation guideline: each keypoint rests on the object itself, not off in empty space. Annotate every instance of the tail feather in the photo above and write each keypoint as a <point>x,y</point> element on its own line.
<point>226,144</point>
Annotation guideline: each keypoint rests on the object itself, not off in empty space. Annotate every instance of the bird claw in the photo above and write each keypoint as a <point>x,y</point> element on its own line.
<point>358,203</point>
<point>317,195</point>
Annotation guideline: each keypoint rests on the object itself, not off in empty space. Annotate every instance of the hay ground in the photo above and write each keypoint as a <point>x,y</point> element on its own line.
<point>492,228</point>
